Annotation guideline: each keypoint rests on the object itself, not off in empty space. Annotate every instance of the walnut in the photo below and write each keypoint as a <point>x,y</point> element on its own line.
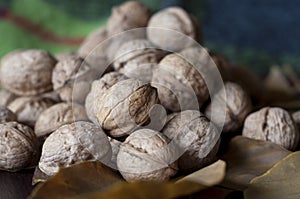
<point>296,118</point>
<point>6,97</point>
<point>125,106</point>
<point>167,29</point>
<point>58,115</point>
<point>27,72</point>
<point>238,106</point>
<point>115,147</point>
<point>146,155</point>
<point>74,143</point>
<point>66,55</point>
<point>28,109</point>
<point>6,115</point>
<point>273,125</point>
<point>99,87</point>
<point>18,147</point>
<point>137,58</point>
<point>129,15</point>
<point>180,86</point>
<point>196,136</point>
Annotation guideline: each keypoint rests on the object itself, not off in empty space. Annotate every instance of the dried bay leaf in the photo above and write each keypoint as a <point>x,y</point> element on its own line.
<point>247,158</point>
<point>282,181</point>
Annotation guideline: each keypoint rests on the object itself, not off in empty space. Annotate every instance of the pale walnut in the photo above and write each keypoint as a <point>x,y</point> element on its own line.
<point>197,138</point>
<point>58,115</point>
<point>6,97</point>
<point>274,125</point>
<point>125,106</point>
<point>66,55</point>
<point>19,147</point>
<point>27,72</point>
<point>28,109</point>
<point>6,115</point>
<point>146,155</point>
<point>238,106</point>
<point>179,84</point>
<point>74,143</point>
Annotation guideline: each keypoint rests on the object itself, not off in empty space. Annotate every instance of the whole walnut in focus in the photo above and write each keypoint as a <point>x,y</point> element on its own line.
<point>274,125</point>
<point>74,143</point>
<point>6,115</point>
<point>237,105</point>
<point>125,106</point>
<point>27,72</point>
<point>28,109</point>
<point>58,115</point>
<point>179,84</point>
<point>99,88</point>
<point>6,97</point>
<point>19,147</point>
<point>146,155</point>
<point>196,136</point>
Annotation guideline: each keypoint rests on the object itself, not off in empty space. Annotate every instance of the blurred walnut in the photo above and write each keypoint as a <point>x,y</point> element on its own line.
<point>27,72</point>
<point>58,115</point>
<point>6,115</point>
<point>296,118</point>
<point>179,84</point>
<point>115,147</point>
<point>237,104</point>
<point>18,147</point>
<point>6,97</point>
<point>146,155</point>
<point>274,125</point>
<point>196,136</point>
<point>66,55</point>
<point>74,143</point>
<point>28,109</point>
<point>99,88</point>
<point>125,106</point>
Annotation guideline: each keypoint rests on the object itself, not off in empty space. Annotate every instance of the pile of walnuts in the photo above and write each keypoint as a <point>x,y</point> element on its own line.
<point>135,101</point>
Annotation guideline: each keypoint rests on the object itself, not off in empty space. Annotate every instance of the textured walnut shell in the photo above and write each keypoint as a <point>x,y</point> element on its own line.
<point>99,87</point>
<point>58,115</point>
<point>125,106</point>
<point>176,19</point>
<point>146,155</point>
<point>129,15</point>
<point>238,106</point>
<point>178,84</point>
<point>28,109</point>
<point>27,72</point>
<point>197,138</point>
<point>273,125</point>
<point>74,143</point>
<point>6,97</point>
<point>6,115</point>
<point>18,147</point>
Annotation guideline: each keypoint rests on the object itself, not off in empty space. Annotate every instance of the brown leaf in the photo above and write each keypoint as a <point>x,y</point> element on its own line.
<point>247,158</point>
<point>281,181</point>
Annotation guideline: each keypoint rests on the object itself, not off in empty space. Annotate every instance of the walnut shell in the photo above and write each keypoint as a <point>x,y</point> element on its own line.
<point>6,115</point>
<point>296,118</point>
<point>165,27</point>
<point>196,136</point>
<point>74,143</point>
<point>27,72</point>
<point>99,87</point>
<point>18,147</point>
<point>66,55</point>
<point>28,109</point>
<point>238,106</point>
<point>115,147</point>
<point>6,97</point>
<point>273,125</point>
<point>146,155</point>
<point>58,115</point>
<point>180,86</point>
<point>125,106</point>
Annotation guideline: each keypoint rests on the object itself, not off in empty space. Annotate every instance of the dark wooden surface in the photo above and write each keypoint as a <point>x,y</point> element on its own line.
<point>15,185</point>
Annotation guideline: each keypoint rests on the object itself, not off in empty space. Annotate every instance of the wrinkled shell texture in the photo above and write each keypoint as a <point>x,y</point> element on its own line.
<point>125,106</point>
<point>197,138</point>
<point>99,87</point>
<point>6,115</point>
<point>6,97</point>
<point>28,109</point>
<point>18,146</point>
<point>146,155</point>
<point>177,82</point>
<point>129,15</point>
<point>274,125</point>
<point>27,72</point>
<point>238,106</point>
<point>58,115</point>
<point>73,143</point>
<point>171,21</point>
